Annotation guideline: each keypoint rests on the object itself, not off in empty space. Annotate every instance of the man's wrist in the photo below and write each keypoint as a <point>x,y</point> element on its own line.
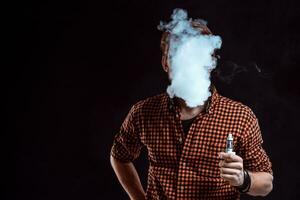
<point>244,188</point>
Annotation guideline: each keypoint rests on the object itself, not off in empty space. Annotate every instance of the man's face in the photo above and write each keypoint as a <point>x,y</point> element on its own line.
<point>167,66</point>
<point>187,58</point>
<point>188,65</point>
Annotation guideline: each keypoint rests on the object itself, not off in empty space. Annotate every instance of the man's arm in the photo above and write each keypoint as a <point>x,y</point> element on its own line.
<point>261,183</point>
<point>128,178</point>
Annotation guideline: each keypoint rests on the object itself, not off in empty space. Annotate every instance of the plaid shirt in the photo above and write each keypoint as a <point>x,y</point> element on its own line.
<point>186,166</point>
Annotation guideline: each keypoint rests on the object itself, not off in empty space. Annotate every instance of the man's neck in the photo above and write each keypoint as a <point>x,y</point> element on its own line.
<point>188,112</point>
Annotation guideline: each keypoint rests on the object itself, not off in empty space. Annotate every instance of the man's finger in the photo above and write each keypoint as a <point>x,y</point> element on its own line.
<point>229,177</point>
<point>230,171</point>
<point>233,165</point>
<point>229,157</point>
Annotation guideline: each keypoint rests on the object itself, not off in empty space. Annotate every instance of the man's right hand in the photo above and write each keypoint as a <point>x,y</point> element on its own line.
<point>128,178</point>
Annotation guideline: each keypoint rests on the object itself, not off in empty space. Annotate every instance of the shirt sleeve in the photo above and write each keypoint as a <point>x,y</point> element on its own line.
<point>127,145</point>
<point>254,156</point>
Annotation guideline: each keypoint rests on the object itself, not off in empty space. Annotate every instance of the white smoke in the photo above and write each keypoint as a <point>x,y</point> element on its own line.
<point>191,60</point>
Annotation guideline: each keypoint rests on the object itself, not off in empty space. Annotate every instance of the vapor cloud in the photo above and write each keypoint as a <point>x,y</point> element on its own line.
<point>190,57</point>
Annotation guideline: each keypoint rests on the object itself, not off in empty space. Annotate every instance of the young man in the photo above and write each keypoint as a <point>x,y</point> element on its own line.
<point>186,146</point>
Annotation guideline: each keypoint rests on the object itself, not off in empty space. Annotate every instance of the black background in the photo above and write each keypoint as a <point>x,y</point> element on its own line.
<point>83,64</point>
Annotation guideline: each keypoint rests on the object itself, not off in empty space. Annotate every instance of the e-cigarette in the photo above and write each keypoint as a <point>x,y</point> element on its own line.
<point>229,144</point>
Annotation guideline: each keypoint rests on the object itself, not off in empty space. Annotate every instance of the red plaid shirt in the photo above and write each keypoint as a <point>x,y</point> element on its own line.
<point>186,166</point>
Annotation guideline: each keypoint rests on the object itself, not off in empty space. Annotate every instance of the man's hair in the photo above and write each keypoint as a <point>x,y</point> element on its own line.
<point>197,24</point>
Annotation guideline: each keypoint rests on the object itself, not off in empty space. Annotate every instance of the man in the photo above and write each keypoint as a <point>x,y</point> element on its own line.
<point>186,146</point>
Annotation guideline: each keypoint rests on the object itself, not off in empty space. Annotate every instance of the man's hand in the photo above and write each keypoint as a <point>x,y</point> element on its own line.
<point>231,168</point>
<point>128,178</point>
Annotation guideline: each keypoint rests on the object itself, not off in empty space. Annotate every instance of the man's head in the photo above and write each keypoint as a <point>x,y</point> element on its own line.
<point>165,39</point>
<point>187,56</point>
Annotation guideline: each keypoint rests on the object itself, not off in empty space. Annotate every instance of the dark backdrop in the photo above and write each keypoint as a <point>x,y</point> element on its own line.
<point>83,64</point>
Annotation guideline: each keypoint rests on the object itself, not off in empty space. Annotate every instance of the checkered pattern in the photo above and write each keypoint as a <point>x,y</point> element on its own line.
<point>186,167</point>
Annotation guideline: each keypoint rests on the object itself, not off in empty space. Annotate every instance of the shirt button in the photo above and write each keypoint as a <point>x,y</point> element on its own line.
<point>180,140</point>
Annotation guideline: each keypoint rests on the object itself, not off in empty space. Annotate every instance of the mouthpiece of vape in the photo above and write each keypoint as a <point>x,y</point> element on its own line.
<point>229,144</point>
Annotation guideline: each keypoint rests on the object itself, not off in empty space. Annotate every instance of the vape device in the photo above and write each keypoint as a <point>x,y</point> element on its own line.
<point>229,144</point>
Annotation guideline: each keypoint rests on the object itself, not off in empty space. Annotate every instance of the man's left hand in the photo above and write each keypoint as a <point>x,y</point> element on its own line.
<point>231,168</point>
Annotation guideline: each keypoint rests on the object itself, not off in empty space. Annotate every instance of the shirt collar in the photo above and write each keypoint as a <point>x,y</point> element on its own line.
<point>209,105</point>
